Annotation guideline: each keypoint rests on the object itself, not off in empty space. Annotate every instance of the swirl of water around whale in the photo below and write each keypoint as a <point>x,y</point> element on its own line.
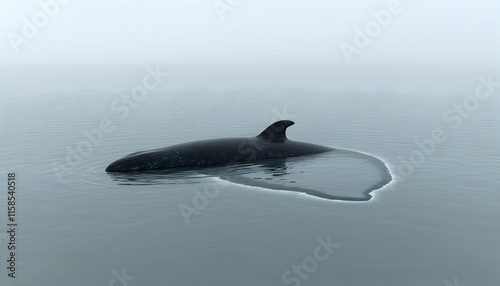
<point>327,173</point>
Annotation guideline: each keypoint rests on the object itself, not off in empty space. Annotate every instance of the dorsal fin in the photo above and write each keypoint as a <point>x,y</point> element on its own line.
<point>275,133</point>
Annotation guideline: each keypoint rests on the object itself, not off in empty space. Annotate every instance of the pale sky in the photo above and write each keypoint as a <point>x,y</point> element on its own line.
<point>249,32</point>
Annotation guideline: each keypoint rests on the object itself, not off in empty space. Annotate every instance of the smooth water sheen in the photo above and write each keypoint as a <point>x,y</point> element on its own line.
<point>333,175</point>
<point>437,221</point>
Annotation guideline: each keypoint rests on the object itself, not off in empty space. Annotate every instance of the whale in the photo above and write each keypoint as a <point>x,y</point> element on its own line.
<point>271,143</point>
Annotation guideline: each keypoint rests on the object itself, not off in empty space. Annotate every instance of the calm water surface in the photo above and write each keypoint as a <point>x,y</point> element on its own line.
<point>437,221</point>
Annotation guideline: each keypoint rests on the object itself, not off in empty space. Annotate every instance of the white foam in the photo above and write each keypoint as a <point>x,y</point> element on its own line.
<point>312,197</point>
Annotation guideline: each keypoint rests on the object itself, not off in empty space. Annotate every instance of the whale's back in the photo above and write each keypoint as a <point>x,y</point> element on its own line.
<point>270,143</point>
<point>213,152</point>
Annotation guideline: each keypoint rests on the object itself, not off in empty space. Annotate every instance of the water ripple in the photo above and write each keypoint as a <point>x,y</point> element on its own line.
<point>337,175</point>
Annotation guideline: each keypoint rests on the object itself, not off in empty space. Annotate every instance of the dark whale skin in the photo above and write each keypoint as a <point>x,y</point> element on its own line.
<point>271,143</point>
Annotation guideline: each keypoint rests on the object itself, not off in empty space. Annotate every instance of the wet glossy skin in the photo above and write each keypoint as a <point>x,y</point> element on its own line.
<point>271,143</point>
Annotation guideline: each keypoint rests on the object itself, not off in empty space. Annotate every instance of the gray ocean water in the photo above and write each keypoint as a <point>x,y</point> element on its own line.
<point>435,222</point>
